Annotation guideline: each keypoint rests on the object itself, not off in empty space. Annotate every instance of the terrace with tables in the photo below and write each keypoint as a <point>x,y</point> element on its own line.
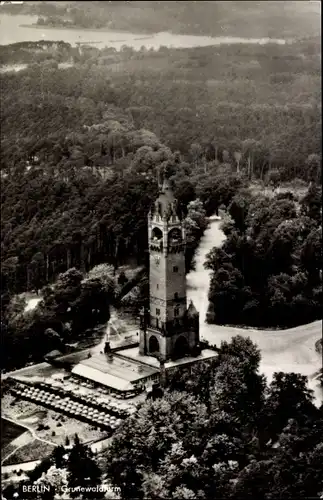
<point>102,412</point>
<point>62,383</point>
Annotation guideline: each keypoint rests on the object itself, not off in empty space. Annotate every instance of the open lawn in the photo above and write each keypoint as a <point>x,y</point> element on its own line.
<point>43,370</point>
<point>9,432</point>
<point>31,451</point>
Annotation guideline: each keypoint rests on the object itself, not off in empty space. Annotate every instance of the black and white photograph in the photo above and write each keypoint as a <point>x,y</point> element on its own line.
<point>161,250</point>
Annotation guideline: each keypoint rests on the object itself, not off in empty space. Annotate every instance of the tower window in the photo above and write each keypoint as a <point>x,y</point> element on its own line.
<point>158,312</point>
<point>157,286</point>
<point>176,311</point>
<point>175,295</point>
<point>175,269</point>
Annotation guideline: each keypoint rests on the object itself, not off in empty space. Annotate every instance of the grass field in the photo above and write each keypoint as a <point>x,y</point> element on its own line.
<point>9,432</point>
<point>36,450</point>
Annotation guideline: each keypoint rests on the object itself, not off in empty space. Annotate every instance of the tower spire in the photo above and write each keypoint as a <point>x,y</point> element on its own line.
<point>166,185</point>
<point>163,183</point>
<point>159,179</point>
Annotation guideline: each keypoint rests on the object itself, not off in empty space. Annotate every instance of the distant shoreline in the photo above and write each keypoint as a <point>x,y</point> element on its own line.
<point>102,30</point>
<point>235,39</point>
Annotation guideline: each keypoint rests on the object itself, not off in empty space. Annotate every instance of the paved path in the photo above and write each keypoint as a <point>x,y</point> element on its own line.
<point>25,466</point>
<point>28,466</point>
<point>101,445</point>
<point>32,432</point>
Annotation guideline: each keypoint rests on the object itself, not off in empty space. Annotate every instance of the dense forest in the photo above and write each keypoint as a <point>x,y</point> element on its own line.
<point>42,51</point>
<point>215,18</point>
<point>82,147</point>
<point>262,102</point>
<point>68,308</point>
<point>220,432</point>
<point>269,270</point>
<point>82,152</point>
<point>76,307</point>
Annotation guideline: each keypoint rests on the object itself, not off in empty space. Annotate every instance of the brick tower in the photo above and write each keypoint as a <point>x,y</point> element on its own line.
<point>169,330</point>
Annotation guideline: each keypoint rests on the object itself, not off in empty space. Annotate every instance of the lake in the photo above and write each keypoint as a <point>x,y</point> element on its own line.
<point>12,31</point>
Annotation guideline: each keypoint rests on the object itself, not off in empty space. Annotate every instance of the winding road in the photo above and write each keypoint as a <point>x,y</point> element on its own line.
<point>291,350</point>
